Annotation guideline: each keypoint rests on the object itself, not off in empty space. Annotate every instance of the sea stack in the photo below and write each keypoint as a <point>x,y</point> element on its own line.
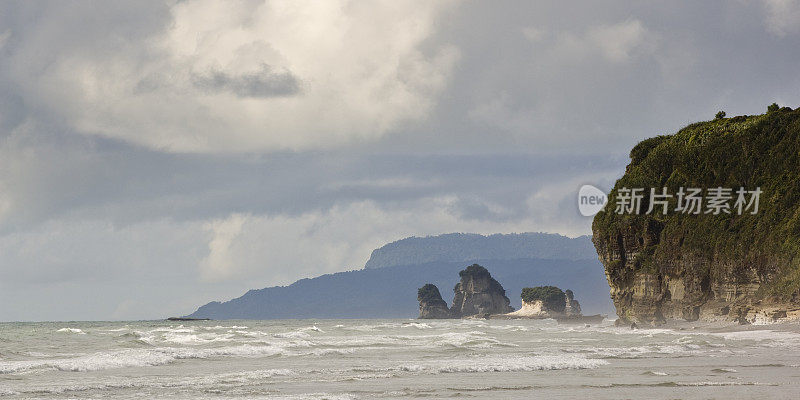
<point>431,305</point>
<point>540,302</point>
<point>572,307</point>
<point>479,294</point>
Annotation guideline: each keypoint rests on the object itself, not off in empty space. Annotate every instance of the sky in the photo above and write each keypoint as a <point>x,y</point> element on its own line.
<point>157,155</point>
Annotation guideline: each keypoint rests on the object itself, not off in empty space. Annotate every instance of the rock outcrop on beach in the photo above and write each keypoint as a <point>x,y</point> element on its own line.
<point>706,266</point>
<point>431,305</point>
<point>479,294</point>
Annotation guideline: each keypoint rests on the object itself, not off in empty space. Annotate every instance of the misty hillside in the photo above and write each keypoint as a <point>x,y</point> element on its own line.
<point>470,246</point>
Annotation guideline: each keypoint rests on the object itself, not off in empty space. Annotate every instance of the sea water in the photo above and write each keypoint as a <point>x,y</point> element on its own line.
<point>390,359</point>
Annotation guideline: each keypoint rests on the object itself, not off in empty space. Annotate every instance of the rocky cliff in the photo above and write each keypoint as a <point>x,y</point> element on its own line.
<point>431,305</point>
<point>709,266</point>
<point>479,294</point>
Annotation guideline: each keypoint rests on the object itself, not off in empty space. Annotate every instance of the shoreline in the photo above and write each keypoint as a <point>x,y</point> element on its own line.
<point>792,326</point>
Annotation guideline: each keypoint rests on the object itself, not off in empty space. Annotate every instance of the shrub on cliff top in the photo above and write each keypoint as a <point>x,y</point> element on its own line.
<point>474,270</point>
<point>552,297</point>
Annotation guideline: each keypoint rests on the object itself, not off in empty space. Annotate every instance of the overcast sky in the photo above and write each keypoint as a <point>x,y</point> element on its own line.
<point>155,156</point>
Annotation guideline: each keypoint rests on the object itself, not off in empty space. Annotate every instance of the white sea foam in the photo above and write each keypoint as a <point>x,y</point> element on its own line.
<point>712,383</point>
<point>299,334</point>
<point>644,351</point>
<point>509,328</point>
<point>292,356</point>
<point>196,339</point>
<point>417,325</point>
<point>218,327</point>
<point>655,373</point>
<point>316,396</point>
<point>213,381</point>
<point>507,364</point>
<point>72,330</point>
<point>138,358</point>
<point>767,338</point>
<point>325,352</point>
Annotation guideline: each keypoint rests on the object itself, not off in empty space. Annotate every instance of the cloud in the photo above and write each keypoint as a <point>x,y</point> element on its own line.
<point>619,41</point>
<point>248,76</point>
<point>533,33</point>
<point>279,249</point>
<point>4,38</point>
<point>219,264</point>
<point>783,16</point>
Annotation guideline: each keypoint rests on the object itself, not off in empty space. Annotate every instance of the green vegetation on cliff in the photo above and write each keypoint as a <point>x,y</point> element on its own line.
<point>744,151</point>
<point>552,297</point>
<point>429,293</point>
<point>474,270</point>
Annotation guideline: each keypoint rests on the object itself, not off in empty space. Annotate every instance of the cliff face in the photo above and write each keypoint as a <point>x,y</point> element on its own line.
<point>431,305</point>
<point>479,294</point>
<point>704,266</point>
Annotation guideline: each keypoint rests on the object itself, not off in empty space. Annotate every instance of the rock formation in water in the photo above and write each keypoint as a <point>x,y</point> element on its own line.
<point>541,302</point>
<point>431,305</point>
<point>546,302</point>
<point>733,266</point>
<point>479,294</point>
<point>572,307</point>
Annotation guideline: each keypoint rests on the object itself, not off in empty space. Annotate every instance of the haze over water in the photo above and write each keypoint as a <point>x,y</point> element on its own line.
<point>358,359</point>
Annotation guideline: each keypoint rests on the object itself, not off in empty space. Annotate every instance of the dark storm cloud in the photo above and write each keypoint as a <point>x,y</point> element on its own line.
<point>265,83</point>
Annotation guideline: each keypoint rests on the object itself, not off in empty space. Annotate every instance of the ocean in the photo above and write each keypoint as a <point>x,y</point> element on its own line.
<point>390,359</point>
